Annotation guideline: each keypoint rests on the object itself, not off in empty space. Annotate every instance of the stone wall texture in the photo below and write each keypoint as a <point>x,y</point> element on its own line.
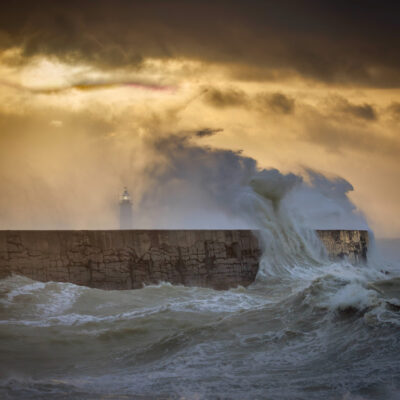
<point>350,244</point>
<point>129,259</point>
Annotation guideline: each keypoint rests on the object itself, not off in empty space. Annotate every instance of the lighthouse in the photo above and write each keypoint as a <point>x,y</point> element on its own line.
<point>125,210</point>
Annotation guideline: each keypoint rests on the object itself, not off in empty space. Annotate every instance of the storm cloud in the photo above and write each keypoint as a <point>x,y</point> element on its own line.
<point>96,95</point>
<point>276,102</point>
<point>342,41</point>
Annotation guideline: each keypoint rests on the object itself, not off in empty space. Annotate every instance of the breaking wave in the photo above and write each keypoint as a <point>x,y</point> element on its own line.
<point>308,328</point>
<point>327,330</point>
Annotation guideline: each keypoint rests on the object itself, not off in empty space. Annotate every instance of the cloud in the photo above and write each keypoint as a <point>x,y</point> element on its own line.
<point>208,132</point>
<point>335,134</point>
<point>334,123</point>
<point>363,111</point>
<point>195,185</point>
<point>278,103</point>
<point>334,42</point>
<point>226,98</point>
<point>69,175</point>
<point>394,110</point>
<point>89,86</point>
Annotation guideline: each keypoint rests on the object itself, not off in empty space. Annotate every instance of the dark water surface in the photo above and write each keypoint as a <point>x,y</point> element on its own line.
<point>323,331</point>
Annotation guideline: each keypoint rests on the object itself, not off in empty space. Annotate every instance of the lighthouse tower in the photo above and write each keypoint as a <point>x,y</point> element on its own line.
<point>125,210</point>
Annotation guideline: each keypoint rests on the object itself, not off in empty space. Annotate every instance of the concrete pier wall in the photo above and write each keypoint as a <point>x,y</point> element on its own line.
<point>350,244</point>
<point>129,259</point>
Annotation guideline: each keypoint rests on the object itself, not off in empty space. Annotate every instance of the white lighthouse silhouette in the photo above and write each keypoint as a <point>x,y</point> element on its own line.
<point>125,210</point>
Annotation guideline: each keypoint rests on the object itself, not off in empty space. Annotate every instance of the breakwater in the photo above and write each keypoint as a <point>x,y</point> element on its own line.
<point>129,259</point>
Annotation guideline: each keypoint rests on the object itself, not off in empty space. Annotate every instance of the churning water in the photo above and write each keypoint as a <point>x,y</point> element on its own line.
<point>317,330</point>
<point>307,328</point>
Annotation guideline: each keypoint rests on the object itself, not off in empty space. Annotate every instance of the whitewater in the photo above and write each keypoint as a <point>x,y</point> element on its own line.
<point>317,330</point>
<point>307,328</point>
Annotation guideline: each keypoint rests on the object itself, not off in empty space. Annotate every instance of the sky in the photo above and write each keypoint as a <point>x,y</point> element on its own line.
<point>98,95</point>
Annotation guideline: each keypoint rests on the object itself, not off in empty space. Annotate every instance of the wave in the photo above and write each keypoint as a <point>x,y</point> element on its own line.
<point>177,340</point>
<point>332,327</point>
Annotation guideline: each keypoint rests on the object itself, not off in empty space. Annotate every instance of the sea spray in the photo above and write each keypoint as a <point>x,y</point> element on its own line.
<point>170,340</point>
<point>308,328</point>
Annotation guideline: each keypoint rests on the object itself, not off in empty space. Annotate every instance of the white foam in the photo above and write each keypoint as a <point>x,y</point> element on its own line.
<point>353,295</point>
<point>23,290</point>
<point>61,297</point>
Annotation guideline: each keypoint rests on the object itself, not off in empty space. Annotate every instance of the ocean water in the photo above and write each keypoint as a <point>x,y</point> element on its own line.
<point>307,328</point>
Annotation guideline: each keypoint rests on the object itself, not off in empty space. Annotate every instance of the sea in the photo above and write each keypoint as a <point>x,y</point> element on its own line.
<point>307,328</point>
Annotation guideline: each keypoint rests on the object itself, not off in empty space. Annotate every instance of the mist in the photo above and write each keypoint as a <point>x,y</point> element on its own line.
<point>69,174</point>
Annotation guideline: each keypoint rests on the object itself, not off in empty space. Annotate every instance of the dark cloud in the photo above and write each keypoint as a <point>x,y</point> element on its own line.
<point>394,110</point>
<point>208,132</point>
<point>276,102</point>
<point>364,111</point>
<point>341,41</point>
<point>226,98</point>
